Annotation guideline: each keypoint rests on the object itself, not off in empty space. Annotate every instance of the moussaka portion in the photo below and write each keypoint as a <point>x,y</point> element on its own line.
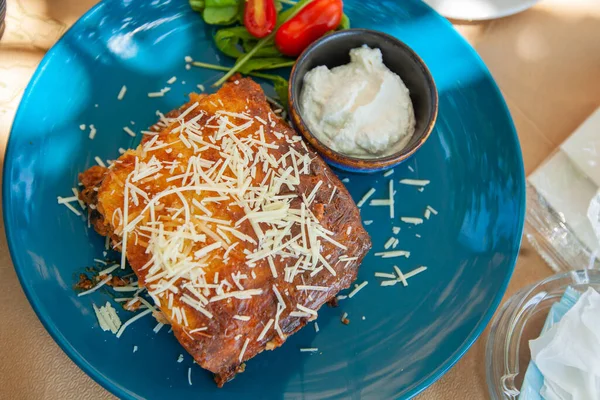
<point>238,231</point>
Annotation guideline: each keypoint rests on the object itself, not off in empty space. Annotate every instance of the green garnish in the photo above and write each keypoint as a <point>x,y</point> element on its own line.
<point>281,19</point>
<point>280,84</point>
<point>251,54</point>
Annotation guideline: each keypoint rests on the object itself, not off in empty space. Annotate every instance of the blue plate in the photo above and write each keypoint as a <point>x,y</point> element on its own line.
<point>410,335</point>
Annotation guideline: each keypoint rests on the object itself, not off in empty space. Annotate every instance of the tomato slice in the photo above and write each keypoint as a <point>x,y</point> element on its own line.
<point>260,17</point>
<point>313,21</point>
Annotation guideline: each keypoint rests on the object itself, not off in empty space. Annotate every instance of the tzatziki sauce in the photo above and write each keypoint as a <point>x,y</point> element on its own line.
<point>361,109</point>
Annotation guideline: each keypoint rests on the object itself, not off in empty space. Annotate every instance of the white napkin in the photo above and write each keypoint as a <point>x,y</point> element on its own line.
<point>593,214</point>
<point>568,354</point>
<point>570,178</point>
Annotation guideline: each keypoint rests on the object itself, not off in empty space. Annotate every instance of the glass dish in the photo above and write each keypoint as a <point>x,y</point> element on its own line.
<point>520,320</point>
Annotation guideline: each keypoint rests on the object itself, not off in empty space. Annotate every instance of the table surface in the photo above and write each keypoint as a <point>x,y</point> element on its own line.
<point>545,60</point>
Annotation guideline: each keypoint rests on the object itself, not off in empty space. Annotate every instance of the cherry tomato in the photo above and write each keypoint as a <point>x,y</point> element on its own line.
<point>312,22</point>
<point>260,17</point>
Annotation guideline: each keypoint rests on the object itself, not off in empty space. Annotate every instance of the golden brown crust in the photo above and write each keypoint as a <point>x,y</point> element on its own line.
<point>218,347</point>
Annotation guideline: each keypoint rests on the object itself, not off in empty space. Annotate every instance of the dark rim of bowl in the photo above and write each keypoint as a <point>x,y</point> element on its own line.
<point>376,162</point>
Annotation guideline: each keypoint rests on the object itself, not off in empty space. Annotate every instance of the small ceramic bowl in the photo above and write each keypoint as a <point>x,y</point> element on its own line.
<point>334,50</point>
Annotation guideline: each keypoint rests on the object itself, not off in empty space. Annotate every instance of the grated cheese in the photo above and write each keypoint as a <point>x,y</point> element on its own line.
<point>278,295</point>
<point>300,314</point>
<point>332,194</point>
<point>99,161</point>
<point>98,286</point>
<point>392,254</point>
<point>415,272</point>
<point>122,92</point>
<point>384,275</point>
<point>433,211</point>
<point>368,222</point>
<point>108,270</point>
<point>92,134</point>
<point>309,349</point>
<point>388,173</point>
<point>172,80</point>
<point>241,294</point>
<point>389,243</point>
<point>265,330</point>
<point>129,131</point>
<point>241,317</point>
<point>401,276</point>
<point>316,327</point>
<point>132,320</point>
<point>70,207</point>
<point>64,200</point>
<point>126,288</point>
<point>357,289</point>
<point>395,230</point>
<point>315,288</point>
<point>364,199</point>
<point>380,202</point>
<point>391,191</point>
<point>415,182</point>
<point>412,220</point>
<point>190,376</point>
<point>108,319</point>
<point>306,309</point>
<point>241,357</point>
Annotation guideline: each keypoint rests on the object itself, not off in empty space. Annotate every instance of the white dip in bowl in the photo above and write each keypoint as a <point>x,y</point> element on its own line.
<point>361,109</point>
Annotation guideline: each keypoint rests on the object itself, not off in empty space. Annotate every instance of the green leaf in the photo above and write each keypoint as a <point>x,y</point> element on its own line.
<point>280,84</point>
<point>231,40</point>
<point>266,41</point>
<point>266,51</point>
<point>220,15</point>
<point>278,6</point>
<point>197,5</point>
<point>287,14</point>
<point>281,88</point>
<point>259,64</point>
<point>223,3</point>
<point>344,23</point>
<point>236,42</point>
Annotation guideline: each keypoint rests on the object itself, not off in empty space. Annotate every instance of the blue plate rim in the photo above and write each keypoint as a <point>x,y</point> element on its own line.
<point>122,392</point>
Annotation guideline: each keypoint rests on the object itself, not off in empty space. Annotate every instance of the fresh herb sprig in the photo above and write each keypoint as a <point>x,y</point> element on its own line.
<point>251,54</point>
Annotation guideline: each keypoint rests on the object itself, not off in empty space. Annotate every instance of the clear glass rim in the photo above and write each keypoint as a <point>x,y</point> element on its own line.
<point>503,343</point>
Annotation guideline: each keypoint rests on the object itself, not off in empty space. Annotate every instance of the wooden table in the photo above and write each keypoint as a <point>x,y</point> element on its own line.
<point>545,60</point>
